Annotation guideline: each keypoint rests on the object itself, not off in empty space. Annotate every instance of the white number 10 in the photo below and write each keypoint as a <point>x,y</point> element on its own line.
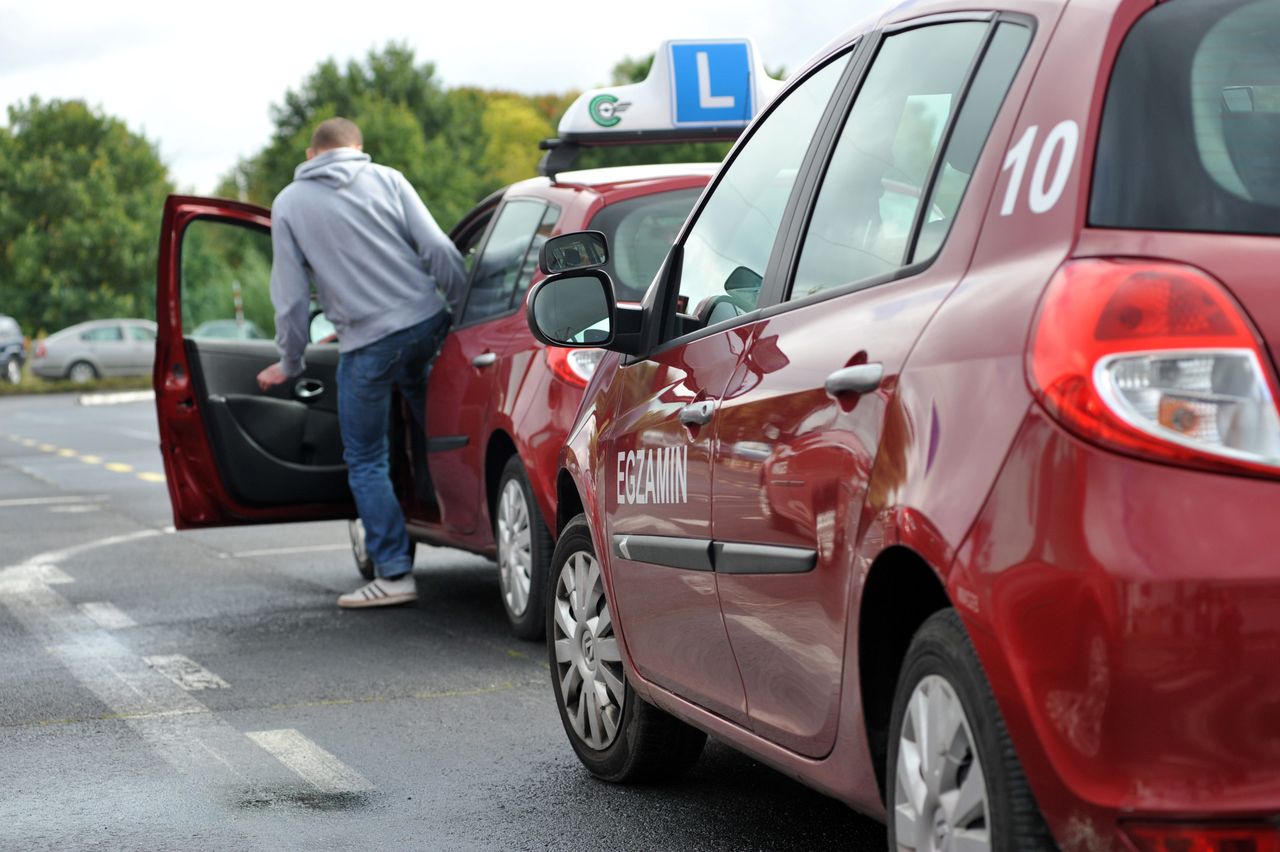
<point>1043,193</point>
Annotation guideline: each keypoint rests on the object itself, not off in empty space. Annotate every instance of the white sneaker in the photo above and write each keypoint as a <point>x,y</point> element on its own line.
<point>382,592</point>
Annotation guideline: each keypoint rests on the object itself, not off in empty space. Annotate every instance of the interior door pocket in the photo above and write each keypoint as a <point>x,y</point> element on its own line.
<point>277,450</point>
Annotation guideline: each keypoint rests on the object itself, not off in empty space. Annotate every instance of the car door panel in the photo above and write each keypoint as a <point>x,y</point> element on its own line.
<point>658,499</point>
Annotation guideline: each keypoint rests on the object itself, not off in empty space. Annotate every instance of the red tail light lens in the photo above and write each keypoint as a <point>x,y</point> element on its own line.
<point>40,351</point>
<point>1156,359</point>
<point>1204,838</point>
<point>574,366</point>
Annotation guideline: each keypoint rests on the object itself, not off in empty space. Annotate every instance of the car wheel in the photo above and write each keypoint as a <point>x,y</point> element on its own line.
<point>81,372</point>
<point>524,552</point>
<point>618,736</point>
<point>13,370</point>
<point>952,778</point>
<point>360,549</point>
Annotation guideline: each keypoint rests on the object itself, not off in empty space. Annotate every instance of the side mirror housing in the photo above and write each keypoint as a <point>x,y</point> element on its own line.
<point>577,310</point>
<point>570,252</point>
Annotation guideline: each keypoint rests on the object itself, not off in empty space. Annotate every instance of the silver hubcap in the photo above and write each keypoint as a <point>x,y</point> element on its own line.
<point>515,553</point>
<point>940,794</point>
<point>81,373</point>
<point>13,370</point>
<point>588,662</point>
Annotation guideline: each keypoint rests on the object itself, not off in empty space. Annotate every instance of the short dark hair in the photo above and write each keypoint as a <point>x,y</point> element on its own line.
<point>336,133</point>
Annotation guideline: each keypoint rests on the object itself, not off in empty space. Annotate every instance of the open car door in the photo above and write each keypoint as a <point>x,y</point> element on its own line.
<point>234,454</point>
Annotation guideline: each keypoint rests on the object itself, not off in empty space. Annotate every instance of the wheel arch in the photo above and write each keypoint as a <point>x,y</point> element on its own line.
<point>901,591</point>
<point>568,501</point>
<point>497,452</point>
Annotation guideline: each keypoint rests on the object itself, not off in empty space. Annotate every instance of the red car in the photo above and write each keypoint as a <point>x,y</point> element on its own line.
<point>934,468</point>
<point>500,403</point>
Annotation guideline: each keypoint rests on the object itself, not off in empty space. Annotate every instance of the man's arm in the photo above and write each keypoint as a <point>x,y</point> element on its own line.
<point>439,255</point>
<point>291,295</point>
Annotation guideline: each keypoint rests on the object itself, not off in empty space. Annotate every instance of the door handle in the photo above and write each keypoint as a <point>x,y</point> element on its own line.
<point>488,359</point>
<point>860,378</point>
<point>308,389</point>
<point>697,413</point>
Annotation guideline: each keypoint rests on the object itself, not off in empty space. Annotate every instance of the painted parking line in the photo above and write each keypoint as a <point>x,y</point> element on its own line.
<point>316,766</point>
<point>186,672</point>
<point>285,551</point>
<point>107,615</point>
<point>19,502</point>
<point>88,458</point>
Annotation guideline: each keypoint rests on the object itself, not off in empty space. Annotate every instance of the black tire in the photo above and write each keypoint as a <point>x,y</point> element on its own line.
<point>13,370</point>
<point>360,554</point>
<point>941,647</point>
<point>81,372</point>
<point>530,623</point>
<point>650,745</point>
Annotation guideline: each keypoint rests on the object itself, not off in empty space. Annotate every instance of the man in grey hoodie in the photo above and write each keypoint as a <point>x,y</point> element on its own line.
<point>387,278</point>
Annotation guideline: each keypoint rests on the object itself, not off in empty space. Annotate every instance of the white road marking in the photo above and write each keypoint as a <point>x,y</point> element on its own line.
<point>185,672</point>
<point>41,501</point>
<point>50,575</point>
<point>150,437</point>
<point>74,508</point>
<point>317,767</point>
<point>29,569</point>
<point>285,551</point>
<point>107,615</point>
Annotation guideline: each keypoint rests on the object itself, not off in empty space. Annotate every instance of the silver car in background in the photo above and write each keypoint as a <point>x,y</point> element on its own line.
<point>83,352</point>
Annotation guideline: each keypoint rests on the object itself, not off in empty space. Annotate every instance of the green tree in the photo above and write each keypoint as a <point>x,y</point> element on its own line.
<point>81,198</point>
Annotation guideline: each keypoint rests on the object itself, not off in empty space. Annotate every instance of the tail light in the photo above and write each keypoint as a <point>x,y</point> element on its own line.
<point>1156,359</point>
<point>40,350</point>
<point>1204,838</point>
<point>575,366</point>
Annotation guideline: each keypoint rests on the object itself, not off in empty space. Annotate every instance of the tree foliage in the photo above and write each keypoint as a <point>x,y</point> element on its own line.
<point>81,198</point>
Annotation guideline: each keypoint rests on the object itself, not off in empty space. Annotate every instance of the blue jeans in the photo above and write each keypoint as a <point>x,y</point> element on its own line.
<point>365,379</point>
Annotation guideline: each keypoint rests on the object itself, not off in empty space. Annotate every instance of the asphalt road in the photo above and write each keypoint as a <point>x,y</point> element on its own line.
<point>201,690</point>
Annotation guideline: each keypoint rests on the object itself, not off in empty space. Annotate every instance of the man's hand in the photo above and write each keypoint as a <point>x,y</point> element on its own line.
<point>271,377</point>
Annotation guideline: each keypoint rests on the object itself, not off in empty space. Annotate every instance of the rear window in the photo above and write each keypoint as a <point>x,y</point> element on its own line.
<point>641,231</point>
<point>1190,137</point>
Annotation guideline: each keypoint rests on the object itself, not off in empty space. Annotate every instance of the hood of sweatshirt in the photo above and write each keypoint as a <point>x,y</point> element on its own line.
<point>335,168</point>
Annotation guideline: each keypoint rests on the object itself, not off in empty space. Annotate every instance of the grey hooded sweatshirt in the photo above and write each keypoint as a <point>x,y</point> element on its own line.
<point>363,237</point>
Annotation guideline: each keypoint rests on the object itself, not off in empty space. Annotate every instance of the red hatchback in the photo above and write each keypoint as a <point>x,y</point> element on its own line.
<point>933,469</point>
<point>499,403</point>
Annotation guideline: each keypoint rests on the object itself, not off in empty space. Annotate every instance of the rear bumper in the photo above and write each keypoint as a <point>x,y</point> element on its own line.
<point>1128,615</point>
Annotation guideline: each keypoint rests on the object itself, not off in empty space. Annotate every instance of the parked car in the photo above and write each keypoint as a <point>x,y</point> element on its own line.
<point>966,528</point>
<point>13,350</point>
<point>499,403</point>
<point>228,329</point>
<point>88,350</point>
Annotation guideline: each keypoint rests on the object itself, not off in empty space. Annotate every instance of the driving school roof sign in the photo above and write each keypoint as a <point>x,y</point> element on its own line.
<point>695,89</point>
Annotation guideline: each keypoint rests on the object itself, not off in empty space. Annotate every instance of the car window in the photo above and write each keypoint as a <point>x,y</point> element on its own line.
<point>728,248</point>
<point>1190,137</point>
<point>501,263</point>
<point>102,334</point>
<point>9,328</point>
<point>871,192</point>
<point>530,266</point>
<point>142,333</point>
<point>640,233</point>
<point>226,273</point>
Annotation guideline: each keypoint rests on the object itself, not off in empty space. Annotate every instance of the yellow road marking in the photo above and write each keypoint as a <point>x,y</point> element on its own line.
<point>117,467</point>
<point>91,459</point>
<point>151,477</point>
<point>27,442</point>
<point>48,448</point>
<point>67,454</point>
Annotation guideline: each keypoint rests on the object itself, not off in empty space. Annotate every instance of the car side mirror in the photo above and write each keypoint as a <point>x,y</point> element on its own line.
<point>569,252</point>
<point>321,330</point>
<point>573,309</point>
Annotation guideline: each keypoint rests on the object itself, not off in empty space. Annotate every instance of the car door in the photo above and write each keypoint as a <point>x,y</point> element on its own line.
<point>232,453</point>
<point>658,444</point>
<point>799,434</point>
<point>465,377</point>
<point>107,348</point>
<point>142,348</point>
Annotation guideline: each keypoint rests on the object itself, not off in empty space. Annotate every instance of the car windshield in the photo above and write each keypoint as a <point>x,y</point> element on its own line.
<point>640,232</point>
<point>1190,137</point>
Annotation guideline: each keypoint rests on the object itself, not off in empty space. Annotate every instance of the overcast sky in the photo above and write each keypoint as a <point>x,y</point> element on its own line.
<point>199,78</point>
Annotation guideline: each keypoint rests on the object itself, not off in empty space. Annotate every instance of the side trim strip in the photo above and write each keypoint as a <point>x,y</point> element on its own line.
<point>692,554</point>
<point>736,558</point>
<point>446,442</point>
